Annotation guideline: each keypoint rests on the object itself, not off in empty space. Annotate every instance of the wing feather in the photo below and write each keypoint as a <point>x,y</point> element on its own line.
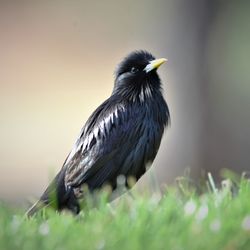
<point>99,142</point>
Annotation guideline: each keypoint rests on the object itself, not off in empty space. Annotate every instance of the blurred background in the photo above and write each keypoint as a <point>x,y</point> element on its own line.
<point>57,60</point>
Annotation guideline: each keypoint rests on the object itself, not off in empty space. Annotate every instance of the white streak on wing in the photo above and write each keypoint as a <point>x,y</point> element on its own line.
<point>112,118</point>
<point>102,126</point>
<point>89,139</point>
<point>116,113</point>
<point>107,120</point>
<point>122,107</point>
<point>94,134</point>
<point>95,131</point>
<point>84,144</point>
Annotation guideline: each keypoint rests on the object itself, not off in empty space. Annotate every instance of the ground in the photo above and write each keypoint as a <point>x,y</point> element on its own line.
<point>181,218</point>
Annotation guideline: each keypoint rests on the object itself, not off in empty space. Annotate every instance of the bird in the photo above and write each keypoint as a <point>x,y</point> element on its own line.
<point>120,138</point>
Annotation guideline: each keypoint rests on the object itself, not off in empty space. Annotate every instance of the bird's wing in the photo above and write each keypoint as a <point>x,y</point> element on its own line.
<point>107,129</point>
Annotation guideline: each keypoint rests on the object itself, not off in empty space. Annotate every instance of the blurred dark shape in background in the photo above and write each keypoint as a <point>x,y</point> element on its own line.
<point>56,64</point>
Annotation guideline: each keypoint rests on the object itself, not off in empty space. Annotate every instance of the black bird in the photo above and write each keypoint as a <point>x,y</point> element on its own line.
<point>121,137</point>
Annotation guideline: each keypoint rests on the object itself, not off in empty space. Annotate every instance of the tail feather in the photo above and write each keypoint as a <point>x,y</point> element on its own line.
<point>56,196</point>
<point>48,197</point>
<point>35,208</point>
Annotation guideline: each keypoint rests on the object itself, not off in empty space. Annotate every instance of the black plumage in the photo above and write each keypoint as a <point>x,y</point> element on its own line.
<point>121,137</point>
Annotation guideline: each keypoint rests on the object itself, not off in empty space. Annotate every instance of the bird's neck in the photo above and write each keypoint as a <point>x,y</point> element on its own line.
<point>140,92</point>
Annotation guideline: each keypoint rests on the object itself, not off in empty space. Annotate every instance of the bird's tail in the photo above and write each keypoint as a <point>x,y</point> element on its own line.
<point>44,200</point>
<point>54,196</point>
<point>48,198</point>
<point>35,208</point>
<point>57,197</point>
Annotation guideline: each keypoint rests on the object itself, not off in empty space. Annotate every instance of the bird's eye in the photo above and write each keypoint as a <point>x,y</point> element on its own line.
<point>134,70</point>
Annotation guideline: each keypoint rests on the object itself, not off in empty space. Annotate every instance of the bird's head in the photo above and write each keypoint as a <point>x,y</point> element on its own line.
<point>138,70</point>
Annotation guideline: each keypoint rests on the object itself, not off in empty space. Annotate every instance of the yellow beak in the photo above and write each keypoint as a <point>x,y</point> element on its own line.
<point>155,64</point>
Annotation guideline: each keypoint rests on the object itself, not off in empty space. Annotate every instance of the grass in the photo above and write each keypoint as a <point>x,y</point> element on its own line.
<point>182,218</point>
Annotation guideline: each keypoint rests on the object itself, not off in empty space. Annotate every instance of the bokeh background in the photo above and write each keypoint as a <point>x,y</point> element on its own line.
<point>57,60</point>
